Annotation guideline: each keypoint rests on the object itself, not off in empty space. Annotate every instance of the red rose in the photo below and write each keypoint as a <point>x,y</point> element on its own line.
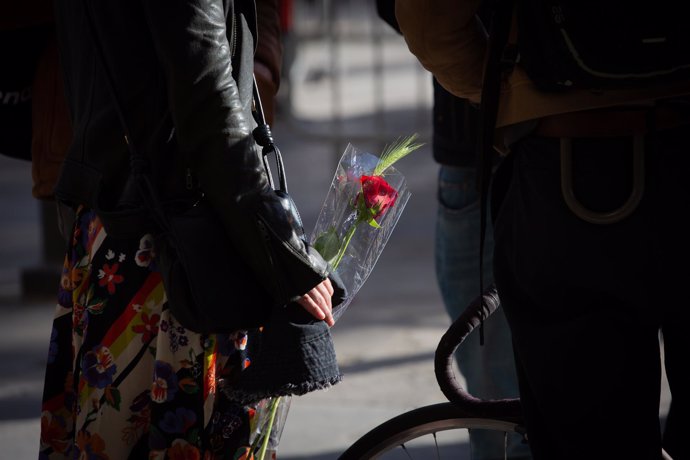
<point>378,194</point>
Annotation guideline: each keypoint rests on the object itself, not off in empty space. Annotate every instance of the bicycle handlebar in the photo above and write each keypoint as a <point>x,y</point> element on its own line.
<point>479,309</point>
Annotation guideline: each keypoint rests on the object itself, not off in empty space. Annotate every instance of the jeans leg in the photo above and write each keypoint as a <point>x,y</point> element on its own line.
<point>489,370</point>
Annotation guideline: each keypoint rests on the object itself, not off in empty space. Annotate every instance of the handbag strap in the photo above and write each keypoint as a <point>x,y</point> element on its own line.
<point>138,163</point>
<point>264,137</point>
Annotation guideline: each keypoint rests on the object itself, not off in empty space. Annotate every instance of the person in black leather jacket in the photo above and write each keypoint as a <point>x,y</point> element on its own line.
<point>124,378</point>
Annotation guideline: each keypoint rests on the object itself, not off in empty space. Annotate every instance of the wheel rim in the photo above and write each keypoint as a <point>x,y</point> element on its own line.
<point>427,436</point>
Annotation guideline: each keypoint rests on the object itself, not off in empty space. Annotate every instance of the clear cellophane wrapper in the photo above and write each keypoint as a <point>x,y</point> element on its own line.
<point>339,213</point>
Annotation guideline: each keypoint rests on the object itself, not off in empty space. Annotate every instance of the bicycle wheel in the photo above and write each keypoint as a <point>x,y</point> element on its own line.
<point>431,432</point>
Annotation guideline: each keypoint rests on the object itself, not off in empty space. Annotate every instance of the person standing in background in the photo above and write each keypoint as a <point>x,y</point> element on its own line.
<point>488,368</point>
<point>585,296</point>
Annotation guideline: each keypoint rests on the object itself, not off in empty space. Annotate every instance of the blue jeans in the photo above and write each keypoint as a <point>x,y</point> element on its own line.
<point>489,369</point>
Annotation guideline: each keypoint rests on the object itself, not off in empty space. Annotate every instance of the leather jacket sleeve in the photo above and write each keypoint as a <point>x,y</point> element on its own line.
<point>448,39</point>
<point>208,71</point>
<point>193,47</point>
<point>211,118</point>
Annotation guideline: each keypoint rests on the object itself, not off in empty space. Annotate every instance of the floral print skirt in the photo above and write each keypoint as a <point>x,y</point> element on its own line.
<point>124,379</point>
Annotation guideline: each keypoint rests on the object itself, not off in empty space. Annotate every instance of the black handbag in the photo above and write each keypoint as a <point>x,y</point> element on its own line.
<point>210,284</point>
<point>209,288</point>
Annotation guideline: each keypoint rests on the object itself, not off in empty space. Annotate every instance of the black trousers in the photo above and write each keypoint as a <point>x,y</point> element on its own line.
<point>586,302</point>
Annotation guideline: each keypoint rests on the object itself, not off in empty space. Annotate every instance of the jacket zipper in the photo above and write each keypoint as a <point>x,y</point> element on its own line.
<point>234,35</point>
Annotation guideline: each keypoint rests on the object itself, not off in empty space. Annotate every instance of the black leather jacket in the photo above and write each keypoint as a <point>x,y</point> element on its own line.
<point>181,70</point>
<point>183,64</point>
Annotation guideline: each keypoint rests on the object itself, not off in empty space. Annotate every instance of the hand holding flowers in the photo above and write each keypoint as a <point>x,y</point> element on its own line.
<point>365,189</point>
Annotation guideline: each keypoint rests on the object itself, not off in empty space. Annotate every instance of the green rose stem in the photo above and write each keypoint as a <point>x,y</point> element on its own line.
<point>348,236</point>
<point>269,427</point>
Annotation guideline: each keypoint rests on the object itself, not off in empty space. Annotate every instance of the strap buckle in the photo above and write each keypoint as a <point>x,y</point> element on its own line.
<point>608,217</point>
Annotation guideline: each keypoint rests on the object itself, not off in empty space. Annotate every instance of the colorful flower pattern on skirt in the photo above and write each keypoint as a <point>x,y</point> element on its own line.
<point>124,379</point>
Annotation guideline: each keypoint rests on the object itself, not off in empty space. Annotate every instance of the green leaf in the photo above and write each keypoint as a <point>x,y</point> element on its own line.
<point>372,221</point>
<point>374,224</point>
<point>328,244</point>
<point>395,151</point>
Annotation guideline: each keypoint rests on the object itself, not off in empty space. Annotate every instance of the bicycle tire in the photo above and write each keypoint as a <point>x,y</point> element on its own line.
<point>416,423</point>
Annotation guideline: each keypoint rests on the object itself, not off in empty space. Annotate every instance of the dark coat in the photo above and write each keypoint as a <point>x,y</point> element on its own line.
<point>197,84</point>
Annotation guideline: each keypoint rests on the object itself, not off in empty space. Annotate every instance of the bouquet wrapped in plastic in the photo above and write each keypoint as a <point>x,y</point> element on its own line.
<point>266,427</point>
<point>363,204</point>
<point>365,201</point>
